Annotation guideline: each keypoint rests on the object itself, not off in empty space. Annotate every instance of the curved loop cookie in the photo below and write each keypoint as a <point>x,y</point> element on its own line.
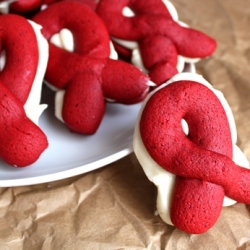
<point>158,35</point>
<point>201,160</point>
<point>22,141</point>
<point>88,67</point>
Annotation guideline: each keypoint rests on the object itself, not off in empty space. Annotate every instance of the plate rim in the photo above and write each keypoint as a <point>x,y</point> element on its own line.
<point>83,169</point>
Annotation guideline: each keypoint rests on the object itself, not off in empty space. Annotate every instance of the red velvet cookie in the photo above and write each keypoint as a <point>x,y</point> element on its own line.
<point>21,140</point>
<point>30,7</point>
<point>21,6</point>
<point>21,50</point>
<point>201,160</point>
<point>161,39</point>
<point>87,74</point>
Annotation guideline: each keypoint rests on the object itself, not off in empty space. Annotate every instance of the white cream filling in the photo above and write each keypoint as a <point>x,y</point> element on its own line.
<point>65,40</point>
<point>5,6</point>
<point>44,6</point>
<point>172,10</point>
<point>127,12</point>
<point>163,180</point>
<point>59,99</point>
<point>137,61</point>
<point>32,107</point>
<point>133,45</point>
<point>2,59</point>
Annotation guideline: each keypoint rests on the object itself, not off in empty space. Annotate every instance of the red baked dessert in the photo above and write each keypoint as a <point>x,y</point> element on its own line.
<point>19,6</point>
<point>199,161</point>
<point>30,7</point>
<point>87,75</point>
<point>21,140</point>
<point>160,38</point>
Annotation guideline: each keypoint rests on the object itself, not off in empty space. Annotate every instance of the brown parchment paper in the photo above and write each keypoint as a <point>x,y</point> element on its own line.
<point>113,207</point>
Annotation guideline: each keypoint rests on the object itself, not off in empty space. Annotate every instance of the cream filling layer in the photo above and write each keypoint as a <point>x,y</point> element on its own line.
<point>32,107</point>
<point>163,180</point>
<point>5,6</point>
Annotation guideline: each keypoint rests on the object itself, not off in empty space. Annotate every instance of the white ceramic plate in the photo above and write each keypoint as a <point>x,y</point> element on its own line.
<point>71,154</point>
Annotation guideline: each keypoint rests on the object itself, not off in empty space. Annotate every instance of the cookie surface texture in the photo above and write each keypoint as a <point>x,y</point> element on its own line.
<point>201,160</point>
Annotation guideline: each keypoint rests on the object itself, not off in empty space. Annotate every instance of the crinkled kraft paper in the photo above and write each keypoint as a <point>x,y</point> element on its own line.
<point>114,207</point>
